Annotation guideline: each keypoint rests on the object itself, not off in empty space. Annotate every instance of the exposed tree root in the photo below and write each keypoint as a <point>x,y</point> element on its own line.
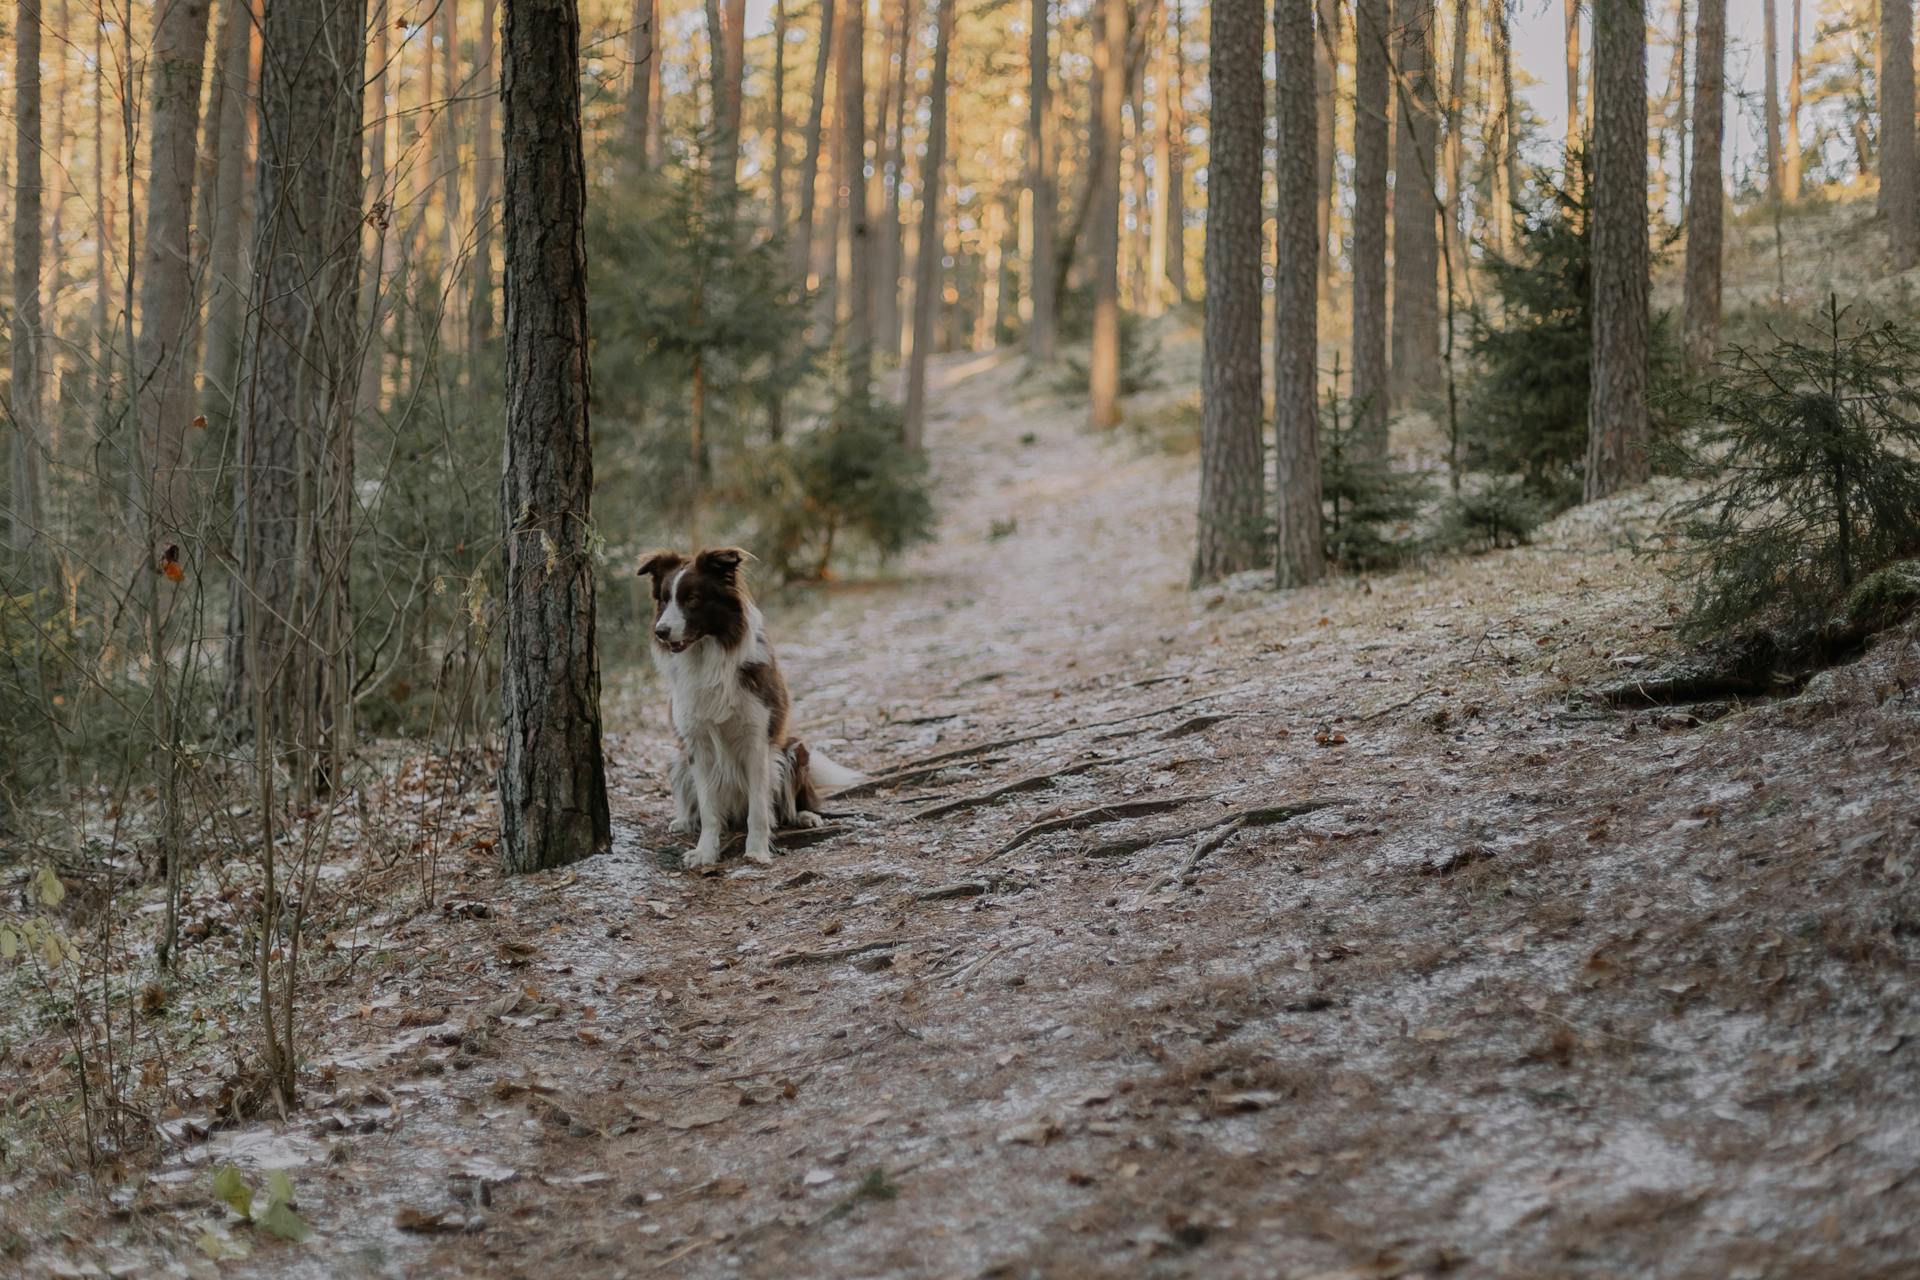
<point>831,954</point>
<point>901,777</point>
<point>1239,819</point>
<point>1195,724</point>
<point>1032,782</point>
<point>1094,817</point>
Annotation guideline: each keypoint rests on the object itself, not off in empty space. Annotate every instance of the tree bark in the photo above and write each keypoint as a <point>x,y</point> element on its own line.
<point>288,638</point>
<point>779,113</point>
<point>927,252</point>
<point>380,199</point>
<point>1108,94</point>
<point>1795,157</point>
<point>855,284</point>
<point>1232,518</point>
<point>1370,131</point>
<point>1898,196</point>
<point>163,364</point>
<point>727,43</point>
<point>1298,248</point>
<point>810,164</point>
<point>892,273</point>
<point>26,339</point>
<point>1416,254</point>
<point>1326,85</point>
<point>1458,206</point>
<point>1571,10</point>
<point>1701,290</point>
<point>1040,183</point>
<point>1139,158</point>
<point>1770,53</point>
<point>1177,161</point>
<point>553,790</point>
<point>487,90</point>
<point>1617,424</point>
<point>1506,140</point>
<point>449,129</point>
<point>1157,235</point>
<point>640,51</point>
<point>1672,120</point>
<point>227,229</point>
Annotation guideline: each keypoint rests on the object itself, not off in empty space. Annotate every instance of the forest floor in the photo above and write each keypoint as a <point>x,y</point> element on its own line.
<point>1332,933</point>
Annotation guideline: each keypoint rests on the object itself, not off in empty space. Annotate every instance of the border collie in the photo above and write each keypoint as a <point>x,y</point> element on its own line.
<point>730,708</point>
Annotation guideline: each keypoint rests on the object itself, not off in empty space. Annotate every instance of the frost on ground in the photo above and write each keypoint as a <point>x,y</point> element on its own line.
<point>1231,934</point>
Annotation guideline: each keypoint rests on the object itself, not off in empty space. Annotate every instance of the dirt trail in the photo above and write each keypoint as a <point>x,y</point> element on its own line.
<point>1537,990</point>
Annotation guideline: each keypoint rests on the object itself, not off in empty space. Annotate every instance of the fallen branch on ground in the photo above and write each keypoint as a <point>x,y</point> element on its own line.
<point>1094,817</point>
<point>1196,723</point>
<point>1241,819</point>
<point>828,956</point>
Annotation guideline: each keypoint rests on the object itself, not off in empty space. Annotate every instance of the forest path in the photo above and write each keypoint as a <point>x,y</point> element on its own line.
<point>1318,934</point>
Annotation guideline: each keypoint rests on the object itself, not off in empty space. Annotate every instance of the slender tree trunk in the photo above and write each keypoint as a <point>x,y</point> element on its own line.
<point>102,342</point>
<point>810,165</point>
<point>1459,207</point>
<point>1416,255</point>
<point>1232,533</point>
<point>1672,114</point>
<point>779,113</point>
<point>640,88</point>
<point>380,200</point>
<point>878,282</point>
<point>288,638</point>
<point>1177,160</point>
<point>855,285</point>
<point>230,204</point>
<point>1898,196</point>
<point>450,129</point>
<point>1141,159</point>
<point>163,362</point>
<point>1298,246</point>
<point>553,788</point>
<point>886,319</point>
<point>1701,300</point>
<point>1326,87</point>
<point>1617,425</point>
<point>1156,291</point>
<point>1370,133</point>
<point>727,38</point>
<point>1796,157</point>
<point>1109,93</point>
<point>485,141</point>
<point>1770,52</point>
<point>26,337</point>
<point>1686,103</point>
<point>1505,140</point>
<point>927,253</point>
<point>1040,178</point>
<point>1571,10</point>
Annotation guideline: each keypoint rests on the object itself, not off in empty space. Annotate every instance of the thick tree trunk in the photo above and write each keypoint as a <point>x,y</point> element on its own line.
<point>1232,520</point>
<point>1770,54</point>
<point>1040,180</point>
<point>1326,87</point>
<point>1103,151</point>
<point>640,87</point>
<point>1617,425</point>
<point>1416,254</point>
<point>1298,247</point>
<point>230,204</point>
<point>553,790</point>
<point>927,250</point>
<point>485,141</point>
<point>163,363</point>
<point>810,164</point>
<point>727,45</point>
<point>1370,131</point>
<point>1795,157</point>
<point>1899,198</point>
<point>1701,300</point>
<point>26,339</point>
<point>288,634</point>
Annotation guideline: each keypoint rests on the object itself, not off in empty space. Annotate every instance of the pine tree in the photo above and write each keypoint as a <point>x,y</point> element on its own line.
<point>1416,257</point>
<point>1899,197</point>
<point>1040,178</point>
<point>1370,132</point>
<point>926,266</point>
<point>1300,557</point>
<point>26,340</point>
<point>1704,212</point>
<point>1618,430</point>
<point>1103,209</point>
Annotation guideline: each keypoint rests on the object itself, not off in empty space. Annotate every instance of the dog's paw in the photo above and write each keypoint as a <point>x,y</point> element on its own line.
<point>808,818</point>
<point>705,854</point>
<point>680,827</point>
<point>759,851</point>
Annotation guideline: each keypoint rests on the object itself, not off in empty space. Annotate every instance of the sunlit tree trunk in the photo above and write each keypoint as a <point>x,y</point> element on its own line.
<point>854,286</point>
<point>1701,297</point>
<point>1108,95</point>
<point>1370,132</point>
<point>1176,150</point>
<point>487,91</point>
<point>927,250</point>
<point>26,339</point>
<point>727,39</point>
<point>1899,199</point>
<point>891,275</point>
<point>449,128</point>
<point>380,197</point>
<point>1156,295</point>
<point>1617,423</point>
<point>1770,52</point>
<point>778,143</point>
<point>553,789</point>
<point>1571,12</point>
<point>1416,255</point>
<point>810,163</point>
<point>1459,208</point>
<point>1505,139</point>
<point>1326,86</point>
<point>164,364</point>
<point>1232,519</point>
<point>1796,156</point>
<point>1298,246</point>
<point>640,88</point>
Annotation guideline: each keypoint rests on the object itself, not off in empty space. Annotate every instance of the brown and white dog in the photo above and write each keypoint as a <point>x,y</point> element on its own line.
<point>730,708</point>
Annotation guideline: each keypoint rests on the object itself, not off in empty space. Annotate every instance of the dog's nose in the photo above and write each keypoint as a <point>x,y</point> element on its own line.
<point>661,633</point>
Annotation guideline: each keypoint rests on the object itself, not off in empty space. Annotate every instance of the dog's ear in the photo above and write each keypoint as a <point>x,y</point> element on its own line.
<point>660,564</point>
<point>721,562</point>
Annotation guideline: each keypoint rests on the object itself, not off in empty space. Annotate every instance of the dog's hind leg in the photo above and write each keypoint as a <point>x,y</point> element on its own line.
<point>803,800</point>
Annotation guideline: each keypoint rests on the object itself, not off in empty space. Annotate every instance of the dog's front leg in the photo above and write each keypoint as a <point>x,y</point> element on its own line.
<point>707,792</point>
<point>759,801</point>
<point>686,813</point>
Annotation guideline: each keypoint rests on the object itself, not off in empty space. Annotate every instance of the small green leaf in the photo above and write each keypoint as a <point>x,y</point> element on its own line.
<point>283,1222</point>
<point>279,1188</point>
<point>9,943</point>
<point>50,949</point>
<point>231,1188</point>
<point>222,1246</point>
<point>52,892</point>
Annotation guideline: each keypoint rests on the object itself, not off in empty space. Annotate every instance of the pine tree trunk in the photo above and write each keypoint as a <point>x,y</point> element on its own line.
<point>487,92</point>
<point>1898,197</point>
<point>227,228</point>
<point>1232,519</point>
<point>1458,207</point>
<point>1040,177</point>
<point>1672,110</point>
<point>727,38</point>
<point>892,273</point>
<point>640,89</point>
<point>855,283</point>
<point>449,128</point>
<point>1416,254</point>
<point>103,338</point>
<point>810,164</point>
<point>779,141</point>
<point>1505,141</point>
<point>1770,52</point>
<point>1140,159</point>
<point>1326,87</point>
<point>288,638</point>
<point>1103,152</point>
<point>1372,104</point>
<point>26,339</point>
<point>1571,9</point>
<point>1177,161</point>
<point>553,790</point>
<point>1796,157</point>
<point>1686,104</point>
<point>927,250</point>
<point>163,363</point>
<point>380,197</point>
<point>1617,424</point>
<point>1701,301</point>
<point>1298,247</point>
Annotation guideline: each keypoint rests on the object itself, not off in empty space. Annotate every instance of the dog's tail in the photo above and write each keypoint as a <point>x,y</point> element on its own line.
<point>828,775</point>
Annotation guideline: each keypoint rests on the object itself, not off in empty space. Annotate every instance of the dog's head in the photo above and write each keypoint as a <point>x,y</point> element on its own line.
<point>697,599</point>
